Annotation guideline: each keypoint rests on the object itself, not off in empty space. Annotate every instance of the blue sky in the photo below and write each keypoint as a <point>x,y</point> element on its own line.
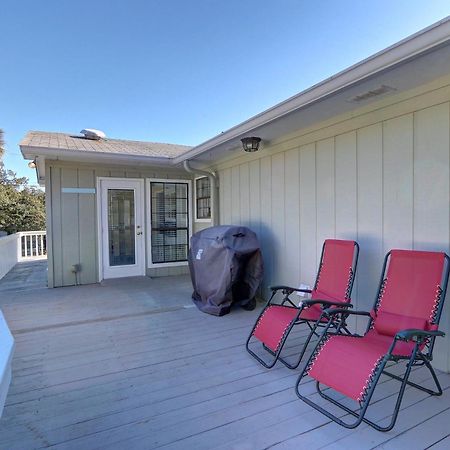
<point>178,71</point>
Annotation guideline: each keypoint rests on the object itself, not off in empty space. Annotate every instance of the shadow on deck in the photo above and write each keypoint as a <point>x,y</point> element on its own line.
<point>131,364</point>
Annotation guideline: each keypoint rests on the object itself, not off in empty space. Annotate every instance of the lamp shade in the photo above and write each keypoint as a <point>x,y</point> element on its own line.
<point>251,144</point>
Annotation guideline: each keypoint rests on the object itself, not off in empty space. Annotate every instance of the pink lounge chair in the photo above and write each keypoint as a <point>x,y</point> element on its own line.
<point>402,327</point>
<point>332,288</point>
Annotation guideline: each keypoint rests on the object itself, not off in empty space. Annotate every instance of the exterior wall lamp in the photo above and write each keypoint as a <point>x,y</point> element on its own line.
<point>251,144</point>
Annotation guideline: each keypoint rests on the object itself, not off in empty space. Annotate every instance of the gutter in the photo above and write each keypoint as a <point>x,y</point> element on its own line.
<point>214,184</point>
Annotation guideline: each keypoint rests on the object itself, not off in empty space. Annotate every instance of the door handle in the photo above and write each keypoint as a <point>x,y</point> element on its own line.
<point>139,233</point>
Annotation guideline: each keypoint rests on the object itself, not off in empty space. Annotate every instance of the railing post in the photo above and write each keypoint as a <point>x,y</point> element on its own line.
<point>19,246</point>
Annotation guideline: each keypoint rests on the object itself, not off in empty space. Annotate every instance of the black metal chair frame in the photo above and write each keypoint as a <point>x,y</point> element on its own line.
<point>417,358</point>
<point>337,321</point>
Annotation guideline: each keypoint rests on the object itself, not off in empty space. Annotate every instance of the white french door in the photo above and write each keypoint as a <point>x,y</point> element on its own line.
<point>122,237</point>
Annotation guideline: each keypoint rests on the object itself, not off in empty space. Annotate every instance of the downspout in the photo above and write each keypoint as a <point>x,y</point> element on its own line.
<point>214,183</point>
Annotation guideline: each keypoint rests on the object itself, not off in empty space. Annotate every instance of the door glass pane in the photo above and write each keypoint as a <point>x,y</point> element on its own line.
<point>170,220</point>
<point>121,227</point>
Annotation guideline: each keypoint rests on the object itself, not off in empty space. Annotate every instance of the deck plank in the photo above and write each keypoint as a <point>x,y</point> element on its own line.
<point>424,434</point>
<point>442,444</point>
<point>286,434</point>
<point>119,366</point>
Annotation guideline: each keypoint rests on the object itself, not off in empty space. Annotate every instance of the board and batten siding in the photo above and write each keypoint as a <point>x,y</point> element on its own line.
<point>385,185</point>
<point>72,219</point>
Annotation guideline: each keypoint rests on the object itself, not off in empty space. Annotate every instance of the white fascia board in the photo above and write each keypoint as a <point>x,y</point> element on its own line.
<point>30,152</point>
<point>402,51</point>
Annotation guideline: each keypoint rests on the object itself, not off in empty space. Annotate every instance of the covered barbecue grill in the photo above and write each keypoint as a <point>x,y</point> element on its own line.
<point>226,267</point>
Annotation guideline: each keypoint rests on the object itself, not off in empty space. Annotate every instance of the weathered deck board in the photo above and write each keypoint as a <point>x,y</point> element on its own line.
<point>114,367</point>
<point>287,434</point>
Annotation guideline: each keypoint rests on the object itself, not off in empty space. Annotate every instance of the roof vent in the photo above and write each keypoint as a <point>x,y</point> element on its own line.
<point>95,135</point>
<point>383,89</point>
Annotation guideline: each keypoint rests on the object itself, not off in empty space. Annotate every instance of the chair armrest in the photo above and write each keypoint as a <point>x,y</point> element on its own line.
<point>331,311</point>
<point>325,303</point>
<point>407,335</point>
<point>289,289</point>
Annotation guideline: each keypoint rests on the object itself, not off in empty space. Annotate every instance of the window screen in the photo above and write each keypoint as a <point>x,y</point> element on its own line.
<point>203,198</point>
<point>170,221</point>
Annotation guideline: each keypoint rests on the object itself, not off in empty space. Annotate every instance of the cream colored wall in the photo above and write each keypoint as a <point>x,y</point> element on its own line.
<point>72,219</point>
<point>381,177</point>
<point>198,226</point>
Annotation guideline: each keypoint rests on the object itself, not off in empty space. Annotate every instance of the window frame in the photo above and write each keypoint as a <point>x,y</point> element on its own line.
<point>196,198</point>
<point>148,214</point>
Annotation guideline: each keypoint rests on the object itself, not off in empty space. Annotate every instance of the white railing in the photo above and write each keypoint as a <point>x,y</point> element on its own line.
<point>31,245</point>
<point>23,246</point>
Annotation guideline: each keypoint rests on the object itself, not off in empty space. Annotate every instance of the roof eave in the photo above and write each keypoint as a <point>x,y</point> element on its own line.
<point>398,53</point>
<point>31,152</point>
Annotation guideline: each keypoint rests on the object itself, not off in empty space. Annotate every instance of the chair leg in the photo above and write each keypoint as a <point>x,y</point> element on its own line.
<point>267,365</point>
<point>400,394</point>
<point>435,378</point>
<point>417,386</point>
<point>261,361</point>
<point>276,355</point>
<point>359,415</point>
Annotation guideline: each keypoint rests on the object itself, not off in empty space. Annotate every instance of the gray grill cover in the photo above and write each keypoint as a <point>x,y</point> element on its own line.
<point>226,266</point>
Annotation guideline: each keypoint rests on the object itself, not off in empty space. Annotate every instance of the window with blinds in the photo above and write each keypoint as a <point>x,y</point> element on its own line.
<point>169,221</point>
<point>202,198</point>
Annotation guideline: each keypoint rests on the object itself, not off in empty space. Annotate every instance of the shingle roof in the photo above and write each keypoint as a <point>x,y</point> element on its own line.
<point>66,141</point>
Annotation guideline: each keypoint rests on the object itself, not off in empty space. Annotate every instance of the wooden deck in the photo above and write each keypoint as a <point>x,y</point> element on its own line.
<point>109,367</point>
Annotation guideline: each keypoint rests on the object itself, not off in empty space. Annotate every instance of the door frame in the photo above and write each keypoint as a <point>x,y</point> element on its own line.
<point>150,264</point>
<point>138,204</point>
